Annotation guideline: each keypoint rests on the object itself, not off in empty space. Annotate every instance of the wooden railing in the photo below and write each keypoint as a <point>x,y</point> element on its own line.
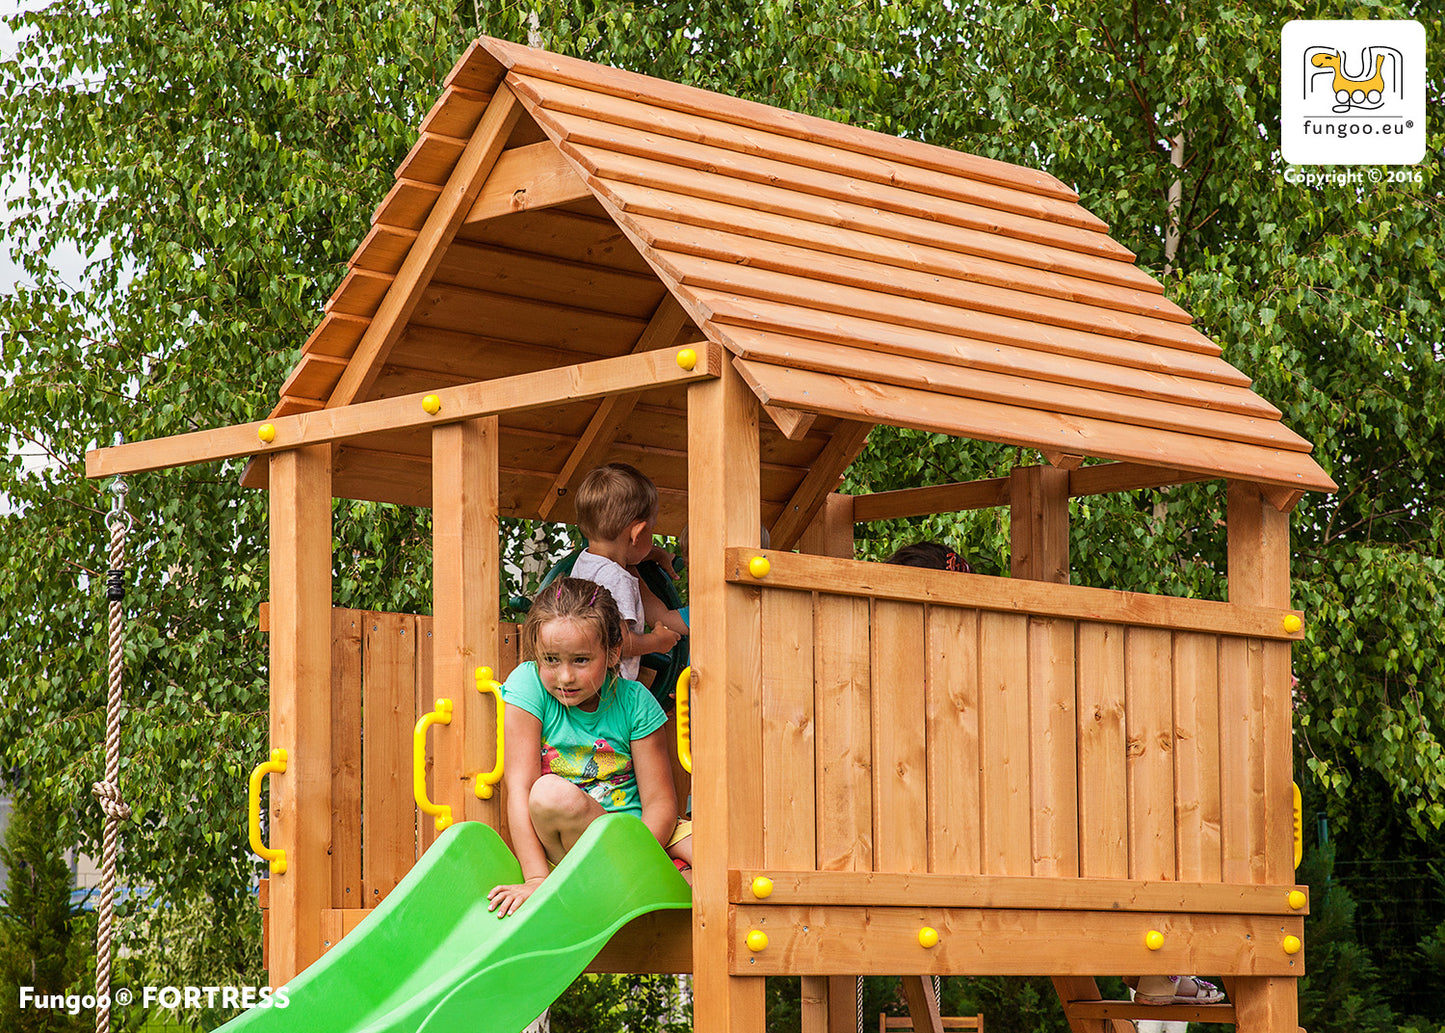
<point>926,722</point>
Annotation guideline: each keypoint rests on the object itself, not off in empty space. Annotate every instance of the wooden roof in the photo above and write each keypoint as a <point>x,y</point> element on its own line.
<point>554,210</point>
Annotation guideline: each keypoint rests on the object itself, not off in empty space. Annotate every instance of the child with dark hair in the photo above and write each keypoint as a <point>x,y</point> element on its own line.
<point>933,555</point>
<point>580,739</point>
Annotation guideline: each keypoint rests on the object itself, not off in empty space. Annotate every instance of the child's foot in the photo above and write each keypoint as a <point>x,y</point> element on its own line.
<point>684,869</point>
<point>1177,990</point>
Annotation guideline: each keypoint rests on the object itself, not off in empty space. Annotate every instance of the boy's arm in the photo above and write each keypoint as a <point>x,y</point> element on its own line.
<point>658,640</point>
<point>654,612</point>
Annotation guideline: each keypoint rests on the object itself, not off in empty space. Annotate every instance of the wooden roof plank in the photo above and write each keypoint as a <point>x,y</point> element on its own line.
<point>383,249</point>
<point>718,185</point>
<point>481,267</point>
<point>457,111</point>
<point>955,288</point>
<point>552,323</point>
<point>477,69</point>
<point>526,61</point>
<point>336,335</point>
<point>1030,428</point>
<point>672,233</point>
<point>314,376</point>
<point>359,293</point>
<point>1185,384</point>
<point>793,423</point>
<point>407,204</point>
<point>641,128</point>
<point>441,225</point>
<point>700,275</point>
<point>560,233</point>
<point>431,158</point>
<point>783,222</point>
<point>1099,402</point>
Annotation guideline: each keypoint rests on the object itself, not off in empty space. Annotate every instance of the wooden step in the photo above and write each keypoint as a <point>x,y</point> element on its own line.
<point>1221,1013</point>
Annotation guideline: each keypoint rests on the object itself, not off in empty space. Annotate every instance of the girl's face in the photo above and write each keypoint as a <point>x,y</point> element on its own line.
<point>572,662</point>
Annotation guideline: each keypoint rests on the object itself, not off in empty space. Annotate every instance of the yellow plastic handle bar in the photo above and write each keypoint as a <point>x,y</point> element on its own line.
<point>442,715</point>
<point>487,684</point>
<point>684,721</point>
<point>276,765</point>
<point>1299,825</point>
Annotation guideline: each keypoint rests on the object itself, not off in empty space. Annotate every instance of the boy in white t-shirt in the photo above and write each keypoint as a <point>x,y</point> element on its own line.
<point>616,510</point>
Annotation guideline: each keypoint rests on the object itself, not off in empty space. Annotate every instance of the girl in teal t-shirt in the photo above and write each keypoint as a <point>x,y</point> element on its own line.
<point>580,739</point>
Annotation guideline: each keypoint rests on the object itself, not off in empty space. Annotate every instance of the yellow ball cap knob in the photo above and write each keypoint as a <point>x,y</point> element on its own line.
<point>687,359</point>
<point>759,566</point>
<point>928,937</point>
<point>1292,623</point>
<point>1153,939</point>
<point>762,887</point>
<point>266,432</point>
<point>1297,899</point>
<point>757,940</point>
<point>432,404</point>
<point>1291,944</point>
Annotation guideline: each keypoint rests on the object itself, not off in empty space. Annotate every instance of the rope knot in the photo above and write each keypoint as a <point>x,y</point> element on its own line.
<point>108,793</point>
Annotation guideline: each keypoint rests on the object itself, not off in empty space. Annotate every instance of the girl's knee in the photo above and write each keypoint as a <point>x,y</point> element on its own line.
<point>552,796</point>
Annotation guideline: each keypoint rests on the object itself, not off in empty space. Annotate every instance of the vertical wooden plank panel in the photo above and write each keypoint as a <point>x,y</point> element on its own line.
<point>1149,722</point>
<point>1196,756</point>
<point>1259,575</point>
<point>1054,756</point>
<point>900,757</point>
<point>724,509</point>
<point>789,788</point>
<point>951,649</point>
<point>1004,732</point>
<point>426,829</point>
<point>388,812</point>
<point>467,608</point>
<point>843,712</point>
<point>346,758</point>
<point>1237,787</point>
<point>300,668</point>
<point>1103,751</point>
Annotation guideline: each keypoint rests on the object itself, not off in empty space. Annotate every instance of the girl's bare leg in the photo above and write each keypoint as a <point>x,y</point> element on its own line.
<point>560,813</point>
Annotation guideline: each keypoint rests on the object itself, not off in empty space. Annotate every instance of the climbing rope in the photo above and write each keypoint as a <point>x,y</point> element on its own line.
<point>108,791</point>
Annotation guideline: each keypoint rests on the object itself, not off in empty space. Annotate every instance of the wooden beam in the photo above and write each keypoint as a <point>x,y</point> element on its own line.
<point>1010,595</point>
<point>988,494</point>
<point>1085,990</point>
<point>890,889</point>
<point>465,566</point>
<point>465,183</point>
<point>525,179</point>
<point>723,509</point>
<point>1122,1013</point>
<point>922,1005</point>
<point>468,401</point>
<point>831,532</point>
<point>300,670</point>
<point>798,512</point>
<point>1063,460</point>
<point>973,941</point>
<point>667,322</point>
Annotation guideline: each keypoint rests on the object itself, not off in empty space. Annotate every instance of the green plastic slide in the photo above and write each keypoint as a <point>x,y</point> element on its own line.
<point>432,958</point>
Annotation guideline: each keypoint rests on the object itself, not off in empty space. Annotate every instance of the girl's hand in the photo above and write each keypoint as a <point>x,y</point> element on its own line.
<point>509,898</point>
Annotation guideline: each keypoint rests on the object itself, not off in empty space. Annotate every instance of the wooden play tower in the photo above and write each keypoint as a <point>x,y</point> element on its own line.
<point>1042,774</point>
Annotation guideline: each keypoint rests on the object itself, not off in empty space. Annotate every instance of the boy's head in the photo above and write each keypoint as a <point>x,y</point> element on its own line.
<point>612,499</point>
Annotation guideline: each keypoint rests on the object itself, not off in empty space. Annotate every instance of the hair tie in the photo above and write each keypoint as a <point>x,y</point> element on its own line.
<point>593,600</point>
<point>558,597</point>
<point>954,562</point>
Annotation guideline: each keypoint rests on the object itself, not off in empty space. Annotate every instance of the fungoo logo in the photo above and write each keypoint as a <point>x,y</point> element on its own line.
<point>1352,92</point>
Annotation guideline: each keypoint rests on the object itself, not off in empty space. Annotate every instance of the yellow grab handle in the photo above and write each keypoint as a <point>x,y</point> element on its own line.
<point>1299,825</point>
<point>442,715</point>
<point>487,684</point>
<point>276,765</point>
<point>684,721</point>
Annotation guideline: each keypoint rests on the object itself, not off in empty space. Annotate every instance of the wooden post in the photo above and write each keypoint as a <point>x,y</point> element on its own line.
<point>1259,575</point>
<point>724,490</point>
<point>300,808</point>
<point>1039,523</point>
<point>465,629</point>
<point>831,532</point>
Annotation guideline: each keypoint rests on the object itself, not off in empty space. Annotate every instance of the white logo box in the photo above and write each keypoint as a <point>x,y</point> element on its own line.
<point>1352,92</point>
